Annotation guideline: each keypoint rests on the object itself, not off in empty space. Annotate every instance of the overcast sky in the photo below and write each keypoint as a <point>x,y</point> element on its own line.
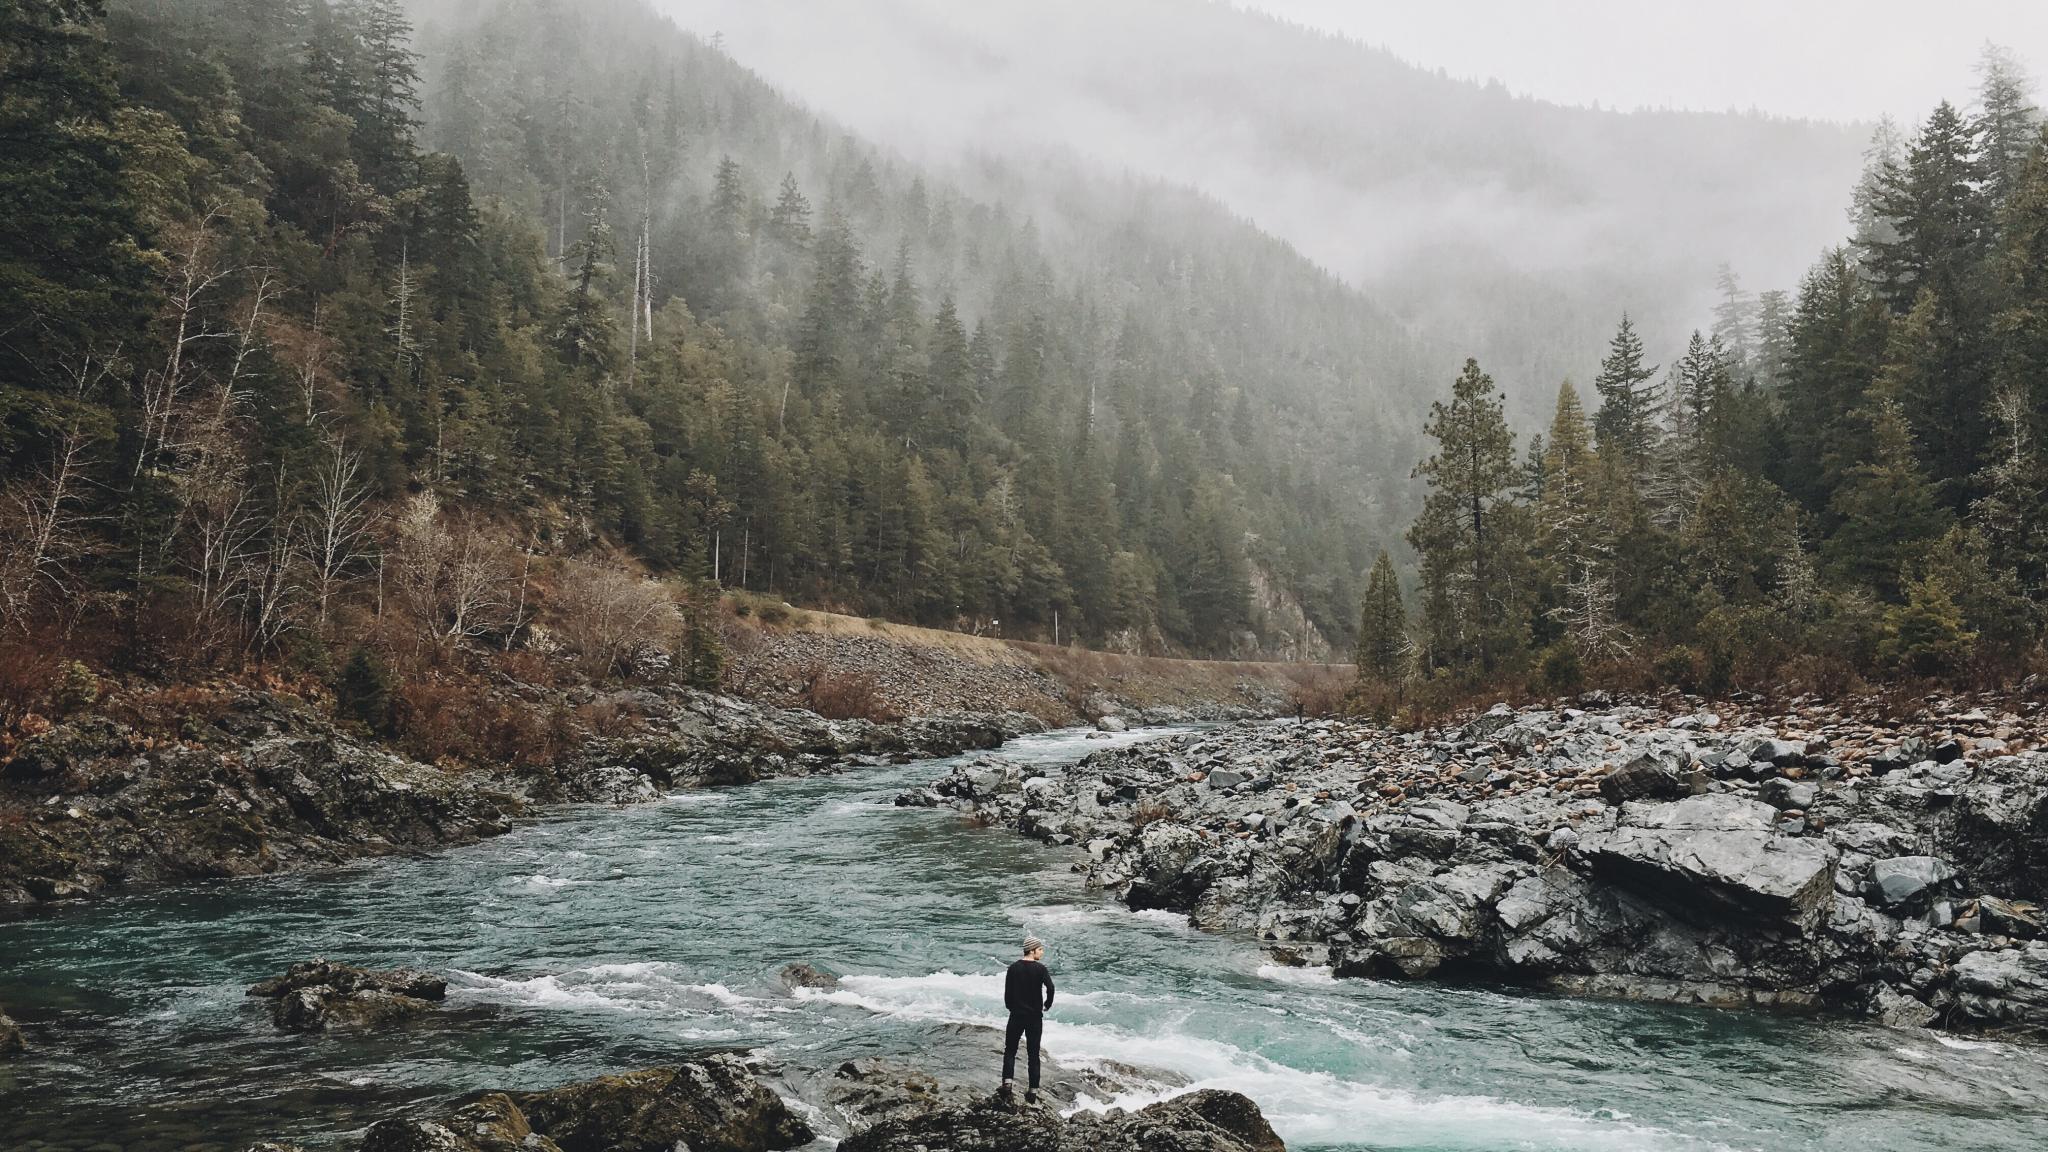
<point>1827,59</point>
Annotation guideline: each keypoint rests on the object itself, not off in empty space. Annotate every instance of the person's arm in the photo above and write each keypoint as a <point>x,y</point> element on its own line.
<point>1048,986</point>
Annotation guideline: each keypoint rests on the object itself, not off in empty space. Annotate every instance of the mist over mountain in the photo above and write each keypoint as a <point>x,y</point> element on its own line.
<point>1511,228</point>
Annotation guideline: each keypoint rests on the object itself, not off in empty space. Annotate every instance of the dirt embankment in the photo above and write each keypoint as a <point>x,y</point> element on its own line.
<point>850,666</point>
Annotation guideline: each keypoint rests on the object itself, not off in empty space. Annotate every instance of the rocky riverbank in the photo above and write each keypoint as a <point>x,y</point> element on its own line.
<point>262,783</point>
<point>1808,858</point>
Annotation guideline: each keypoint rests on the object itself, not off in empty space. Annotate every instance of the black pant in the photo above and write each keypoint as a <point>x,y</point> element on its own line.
<point>1032,1028</point>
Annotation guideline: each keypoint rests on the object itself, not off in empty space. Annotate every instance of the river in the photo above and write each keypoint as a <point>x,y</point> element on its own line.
<point>602,939</point>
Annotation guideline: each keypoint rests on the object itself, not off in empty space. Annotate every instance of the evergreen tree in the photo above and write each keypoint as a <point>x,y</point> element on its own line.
<point>1572,533</point>
<point>1773,339</point>
<point>1468,533</point>
<point>1870,227</point>
<point>1625,425</point>
<point>2007,122</point>
<point>1934,201</point>
<point>1735,321</point>
<point>72,273</point>
<point>1382,652</point>
<point>1838,334</point>
<point>1886,505</point>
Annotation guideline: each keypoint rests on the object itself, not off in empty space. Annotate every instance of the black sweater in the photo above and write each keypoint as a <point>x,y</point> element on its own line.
<point>1021,985</point>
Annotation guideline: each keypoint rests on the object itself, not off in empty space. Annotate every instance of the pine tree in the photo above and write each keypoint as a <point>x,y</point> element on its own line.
<point>71,273</point>
<point>789,223</point>
<point>1838,341</point>
<point>1468,532</point>
<point>1886,505</point>
<point>1735,321</point>
<point>1624,427</point>
<point>1695,445</point>
<point>1870,228</point>
<point>1571,533</point>
<point>1382,651</point>
<point>387,85</point>
<point>1773,339</point>
<point>1934,202</point>
<point>2007,122</point>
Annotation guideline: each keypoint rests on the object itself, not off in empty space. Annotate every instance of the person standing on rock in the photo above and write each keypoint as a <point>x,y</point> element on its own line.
<point>1023,986</point>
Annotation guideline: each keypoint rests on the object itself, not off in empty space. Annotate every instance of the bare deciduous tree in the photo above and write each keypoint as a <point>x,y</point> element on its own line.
<point>608,613</point>
<point>40,519</point>
<point>455,583</point>
<point>339,529</point>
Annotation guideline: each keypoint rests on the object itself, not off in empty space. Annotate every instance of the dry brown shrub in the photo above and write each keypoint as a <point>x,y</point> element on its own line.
<point>607,613</point>
<point>1319,690</point>
<point>28,674</point>
<point>845,696</point>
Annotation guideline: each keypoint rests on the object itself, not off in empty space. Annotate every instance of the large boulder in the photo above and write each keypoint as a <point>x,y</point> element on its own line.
<point>1906,881</point>
<point>493,1123</point>
<point>2006,988</point>
<point>1207,1121</point>
<point>1651,776</point>
<point>318,995</point>
<point>1165,868</point>
<point>709,1105</point>
<point>1719,856</point>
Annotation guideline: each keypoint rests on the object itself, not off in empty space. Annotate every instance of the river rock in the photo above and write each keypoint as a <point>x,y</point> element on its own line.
<point>11,1042</point>
<point>1736,869</point>
<point>317,995</point>
<point>1908,880</point>
<point>801,975</point>
<point>710,1105</point>
<point>1722,852</point>
<point>2006,988</point>
<point>1205,1121</point>
<point>493,1123</point>
<point>1647,777</point>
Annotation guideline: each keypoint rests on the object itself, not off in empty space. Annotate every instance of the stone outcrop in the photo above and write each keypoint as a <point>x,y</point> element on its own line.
<point>1206,1121</point>
<point>317,996</point>
<point>710,1105</point>
<point>1805,859</point>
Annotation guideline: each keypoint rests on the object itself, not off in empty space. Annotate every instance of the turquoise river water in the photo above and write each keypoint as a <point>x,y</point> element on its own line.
<point>601,939</point>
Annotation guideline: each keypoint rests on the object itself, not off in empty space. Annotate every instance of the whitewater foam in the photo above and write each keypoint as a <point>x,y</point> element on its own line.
<point>1304,1105</point>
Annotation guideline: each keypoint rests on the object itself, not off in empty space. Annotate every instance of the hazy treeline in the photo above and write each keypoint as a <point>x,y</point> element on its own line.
<point>1846,481</point>
<point>1503,227</point>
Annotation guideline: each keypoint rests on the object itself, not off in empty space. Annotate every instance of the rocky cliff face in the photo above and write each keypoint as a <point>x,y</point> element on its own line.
<point>268,785</point>
<point>1804,859</point>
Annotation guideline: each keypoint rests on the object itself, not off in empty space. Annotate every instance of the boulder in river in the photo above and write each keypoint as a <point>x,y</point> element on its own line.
<point>710,1105</point>
<point>10,1036</point>
<point>492,1123</point>
<point>1206,1121</point>
<point>318,995</point>
<point>801,975</point>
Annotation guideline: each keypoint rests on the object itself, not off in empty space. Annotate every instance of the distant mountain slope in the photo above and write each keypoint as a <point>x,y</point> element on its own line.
<point>1162,406</point>
<point>1514,229</point>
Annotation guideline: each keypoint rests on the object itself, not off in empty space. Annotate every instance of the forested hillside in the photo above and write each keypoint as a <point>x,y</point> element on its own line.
<point>308,317</point>
<point>1846,483</point>
<point>1506,227</point>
